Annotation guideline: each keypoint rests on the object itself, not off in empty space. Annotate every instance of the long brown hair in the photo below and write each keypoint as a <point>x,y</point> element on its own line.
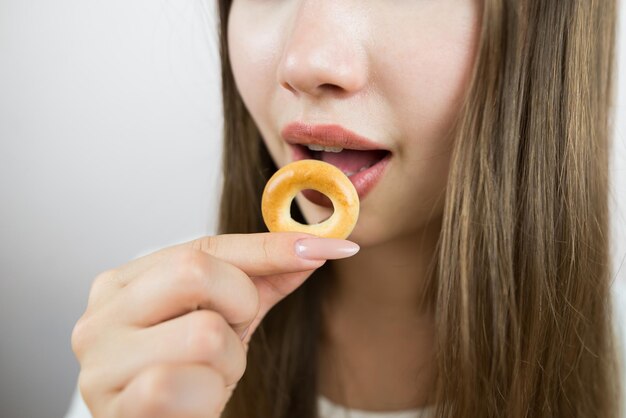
<point>522,288</point>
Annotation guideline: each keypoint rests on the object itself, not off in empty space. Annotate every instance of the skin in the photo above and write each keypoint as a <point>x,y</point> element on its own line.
<point>394,72</point>
<point>166,335</point>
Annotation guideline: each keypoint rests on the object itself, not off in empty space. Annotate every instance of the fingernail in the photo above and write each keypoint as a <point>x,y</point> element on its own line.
<point>244,333</point>
<point>325,248</point>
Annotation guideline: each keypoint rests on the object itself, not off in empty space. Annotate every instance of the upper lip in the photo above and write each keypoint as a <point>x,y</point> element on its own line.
<point>298,133</point>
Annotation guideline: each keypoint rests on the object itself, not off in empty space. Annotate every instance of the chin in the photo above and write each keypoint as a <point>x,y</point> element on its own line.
<point>370,233</point>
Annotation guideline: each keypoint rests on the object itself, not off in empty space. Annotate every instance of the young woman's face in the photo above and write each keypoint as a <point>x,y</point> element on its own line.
<point>392,72</point>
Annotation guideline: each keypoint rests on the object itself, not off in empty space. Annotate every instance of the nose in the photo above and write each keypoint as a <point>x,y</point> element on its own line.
<point>324,52</point>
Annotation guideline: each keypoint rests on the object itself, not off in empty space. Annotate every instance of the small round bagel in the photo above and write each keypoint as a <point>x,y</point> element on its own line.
<point>300,175</point>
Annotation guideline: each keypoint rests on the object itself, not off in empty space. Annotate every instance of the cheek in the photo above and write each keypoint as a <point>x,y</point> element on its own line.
<point>434,84</point>
<point>427,76</point>
<point>253,52</point>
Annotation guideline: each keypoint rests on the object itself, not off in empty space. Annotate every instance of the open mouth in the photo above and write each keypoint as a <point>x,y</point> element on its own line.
<point>349,161</point>
<point>363,167</point>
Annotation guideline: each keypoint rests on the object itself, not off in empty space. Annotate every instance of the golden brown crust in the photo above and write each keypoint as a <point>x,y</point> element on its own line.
<point>317,175</point>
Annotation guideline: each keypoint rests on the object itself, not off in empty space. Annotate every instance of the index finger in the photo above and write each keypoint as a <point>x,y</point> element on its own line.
<point>266,253</point>
<point>257,254</point>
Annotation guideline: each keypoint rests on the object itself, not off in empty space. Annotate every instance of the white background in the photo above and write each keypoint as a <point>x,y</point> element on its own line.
<point>109,147</point>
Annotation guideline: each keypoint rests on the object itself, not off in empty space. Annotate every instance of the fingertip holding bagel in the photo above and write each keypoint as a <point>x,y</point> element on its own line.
<point>288,181</point>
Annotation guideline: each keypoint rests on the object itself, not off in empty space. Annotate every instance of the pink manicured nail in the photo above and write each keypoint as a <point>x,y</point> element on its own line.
<point>325,248</point>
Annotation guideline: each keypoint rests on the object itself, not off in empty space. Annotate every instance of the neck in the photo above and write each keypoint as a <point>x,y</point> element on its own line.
<point>387,279</point>
<point>376,352</point>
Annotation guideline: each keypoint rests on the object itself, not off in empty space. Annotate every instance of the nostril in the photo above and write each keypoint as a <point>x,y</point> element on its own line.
<point>330,87</point>
<point>287,86</point>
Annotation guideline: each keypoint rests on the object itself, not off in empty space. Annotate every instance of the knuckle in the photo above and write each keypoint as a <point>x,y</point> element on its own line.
<point>103,280</point>
<point>101,285</point>
<point>252,303</point>
<point>91,387</point>
<point>207,334</point>
<point>268,250</point>
<point>191,265</point>
<point>85,386</point>
<point>206,244</point>
<point>154,391</point>
<point>80,337</point>
<point>240,368</point>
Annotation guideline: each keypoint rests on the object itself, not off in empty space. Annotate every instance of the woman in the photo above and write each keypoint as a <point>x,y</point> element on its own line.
<point>476,133</point>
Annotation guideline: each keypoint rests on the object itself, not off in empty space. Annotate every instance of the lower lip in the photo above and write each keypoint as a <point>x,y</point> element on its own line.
<point>363,181</point>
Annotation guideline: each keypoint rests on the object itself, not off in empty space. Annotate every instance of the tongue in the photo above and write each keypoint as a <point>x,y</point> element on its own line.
<point>351,161</point>
<point>348,161</point>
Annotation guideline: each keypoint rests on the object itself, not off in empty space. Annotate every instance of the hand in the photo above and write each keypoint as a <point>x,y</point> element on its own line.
<point>162,335</point>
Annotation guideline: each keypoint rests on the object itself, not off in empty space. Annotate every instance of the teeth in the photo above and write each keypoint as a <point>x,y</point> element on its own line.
<point>315,147</point>
<point>350,173</point>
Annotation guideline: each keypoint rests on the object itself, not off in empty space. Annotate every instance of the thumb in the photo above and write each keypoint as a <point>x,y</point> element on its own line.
<point>273,288</point>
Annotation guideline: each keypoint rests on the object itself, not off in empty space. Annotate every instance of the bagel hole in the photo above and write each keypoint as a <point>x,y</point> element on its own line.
<point>315,197</point>
<point>296,214</point>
